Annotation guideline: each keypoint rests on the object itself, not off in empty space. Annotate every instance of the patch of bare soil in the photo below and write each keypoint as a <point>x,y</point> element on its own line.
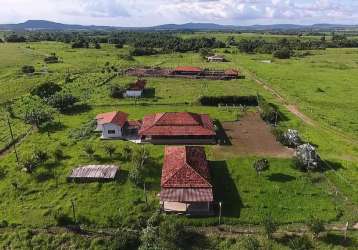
<point>251,136</point>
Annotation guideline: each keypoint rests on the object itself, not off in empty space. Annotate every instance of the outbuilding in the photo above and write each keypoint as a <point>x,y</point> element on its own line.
<point>186,182</point>
<point>94,173</point>
<point>136,89</point>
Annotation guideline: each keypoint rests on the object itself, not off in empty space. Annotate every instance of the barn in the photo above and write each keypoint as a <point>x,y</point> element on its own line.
<point>186,182</point>
<point>178,128</point>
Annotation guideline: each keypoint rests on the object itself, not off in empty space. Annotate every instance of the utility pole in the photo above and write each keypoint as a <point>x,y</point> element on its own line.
<point>12,139</point>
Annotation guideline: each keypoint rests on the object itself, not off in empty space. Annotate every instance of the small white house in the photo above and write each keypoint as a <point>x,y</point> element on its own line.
<point>136,89</point>
<point>215,58</point>
<point>111,124</point>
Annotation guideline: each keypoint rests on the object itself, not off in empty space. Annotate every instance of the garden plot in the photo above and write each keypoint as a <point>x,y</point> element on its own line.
<point>250,136</point>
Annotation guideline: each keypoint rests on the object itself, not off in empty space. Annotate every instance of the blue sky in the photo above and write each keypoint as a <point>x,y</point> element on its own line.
<point>154,12</point>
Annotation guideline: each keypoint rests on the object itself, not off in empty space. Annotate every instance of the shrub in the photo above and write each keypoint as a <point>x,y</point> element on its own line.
<point>51,59</point>
<point>46,90</point>
<point>83,132</point>
<point>316,226</point>
<point>110,149</point>
<point>269,225</point>
<point>261,165</point>
<point>142,52</point>
<point>251,243</point>
<point>125,239</point>
<point>89,150</point>
<point>36,112</point>
<point>27,69</point>
<point>136,175</point>
<point>269,112</point>
<point>126,57</point>
<point>229,100</point>
<point>300,243</point>
<point>116,91</point>
<point>58,154</point>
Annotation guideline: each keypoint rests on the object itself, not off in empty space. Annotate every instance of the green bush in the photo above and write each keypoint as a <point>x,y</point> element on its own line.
<point>27,69</point>
<point>251,243</point>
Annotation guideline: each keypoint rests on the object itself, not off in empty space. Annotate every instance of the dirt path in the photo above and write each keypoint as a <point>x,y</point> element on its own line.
<point>295,111</point>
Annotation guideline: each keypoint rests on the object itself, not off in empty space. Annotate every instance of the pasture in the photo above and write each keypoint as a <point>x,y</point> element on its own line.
<point>322,85</point>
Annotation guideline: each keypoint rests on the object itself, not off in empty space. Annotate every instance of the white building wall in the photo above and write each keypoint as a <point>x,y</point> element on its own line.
<point>134,93</point>
<point>109,126</point>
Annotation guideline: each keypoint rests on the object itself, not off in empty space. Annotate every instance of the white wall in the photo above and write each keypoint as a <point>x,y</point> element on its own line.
<point>134,93</point>
<point>110,126</point>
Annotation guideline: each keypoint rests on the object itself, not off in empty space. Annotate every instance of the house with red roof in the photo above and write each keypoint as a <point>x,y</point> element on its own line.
<point>136,89</point>
<point>116,125</point>
<point>177,128</point>
<point>186,182</point>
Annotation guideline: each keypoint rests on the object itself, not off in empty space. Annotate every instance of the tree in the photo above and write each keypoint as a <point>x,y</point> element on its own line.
<point>116,91</point>
<point>36,112</point>
<point>110,149</point>
<point>251,243</point>
<point>283,53</point>
<point>269,225</point>
<point>89,150</point>
<point>204,52</point>
<point>27,69</point>
<point>172,235</point>
<point>261,165</point>
<point>62,101</point>
<point>136,175</point>
<point>46,90</point>
<point>149,239</point>
<point>316,226</point>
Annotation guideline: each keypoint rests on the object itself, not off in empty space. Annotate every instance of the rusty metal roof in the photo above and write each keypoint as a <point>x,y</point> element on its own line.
<point>95,172</point>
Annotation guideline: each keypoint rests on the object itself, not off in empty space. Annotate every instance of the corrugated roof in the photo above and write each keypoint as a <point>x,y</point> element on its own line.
<point>187,195</point>
<point>95,172</point>
<point>138,85</point>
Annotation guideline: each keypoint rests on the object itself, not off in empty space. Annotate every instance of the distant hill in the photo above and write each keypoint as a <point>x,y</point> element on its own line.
<point>48,25</point>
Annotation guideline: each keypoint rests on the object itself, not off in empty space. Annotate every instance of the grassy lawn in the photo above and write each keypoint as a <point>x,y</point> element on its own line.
<point>289,195</point>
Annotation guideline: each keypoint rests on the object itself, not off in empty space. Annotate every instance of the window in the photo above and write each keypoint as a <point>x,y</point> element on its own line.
<point>111,132</point>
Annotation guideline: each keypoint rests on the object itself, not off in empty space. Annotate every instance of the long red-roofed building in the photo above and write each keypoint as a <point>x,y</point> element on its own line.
<point>186,182</point>
<point>178,128</point>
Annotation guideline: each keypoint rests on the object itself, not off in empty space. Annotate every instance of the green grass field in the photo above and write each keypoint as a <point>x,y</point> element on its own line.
<point>31,200</point>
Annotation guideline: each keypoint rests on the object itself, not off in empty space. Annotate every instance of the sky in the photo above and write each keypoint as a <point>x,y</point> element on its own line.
<point>142,13</point>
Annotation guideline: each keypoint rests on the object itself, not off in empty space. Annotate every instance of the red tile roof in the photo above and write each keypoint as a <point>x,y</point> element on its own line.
<point>188,69</point>
<point>185,167</point>
<point>231,72</point>
<point>177,124</point>
<point>138,85</point>
<point>118,118</point>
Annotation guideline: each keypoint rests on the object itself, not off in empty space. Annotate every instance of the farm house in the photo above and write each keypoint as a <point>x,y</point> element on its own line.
<point>116,125</point>
<point>136,89</point>
<point>94,173</point>
<point>177,128</point>
<point>185,181</point>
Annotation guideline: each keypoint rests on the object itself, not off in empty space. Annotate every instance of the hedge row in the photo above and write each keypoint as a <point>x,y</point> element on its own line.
<point>228,100</point>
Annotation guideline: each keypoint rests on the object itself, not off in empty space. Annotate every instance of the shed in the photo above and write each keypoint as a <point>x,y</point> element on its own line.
<point>94,173</point>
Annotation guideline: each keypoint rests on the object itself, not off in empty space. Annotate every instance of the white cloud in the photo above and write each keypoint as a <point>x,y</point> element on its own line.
<point>152,12</point>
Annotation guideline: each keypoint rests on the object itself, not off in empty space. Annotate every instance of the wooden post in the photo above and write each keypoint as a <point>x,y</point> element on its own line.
<point>219,212</point>
<point>73,210</point>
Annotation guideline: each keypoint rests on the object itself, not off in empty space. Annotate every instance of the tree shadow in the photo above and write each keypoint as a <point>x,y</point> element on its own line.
<point>221,135</point>
<point>44,176</point>
<point>338,240</point>
<point>331,165</point>
<point>122,177</point>
<point>153,173</point>
<point>78,109</point>
<point>225,189</point>
<point>51,127</point>
<point>278,177</point>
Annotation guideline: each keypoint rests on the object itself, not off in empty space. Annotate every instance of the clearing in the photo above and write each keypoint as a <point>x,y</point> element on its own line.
<point>251,136</point>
